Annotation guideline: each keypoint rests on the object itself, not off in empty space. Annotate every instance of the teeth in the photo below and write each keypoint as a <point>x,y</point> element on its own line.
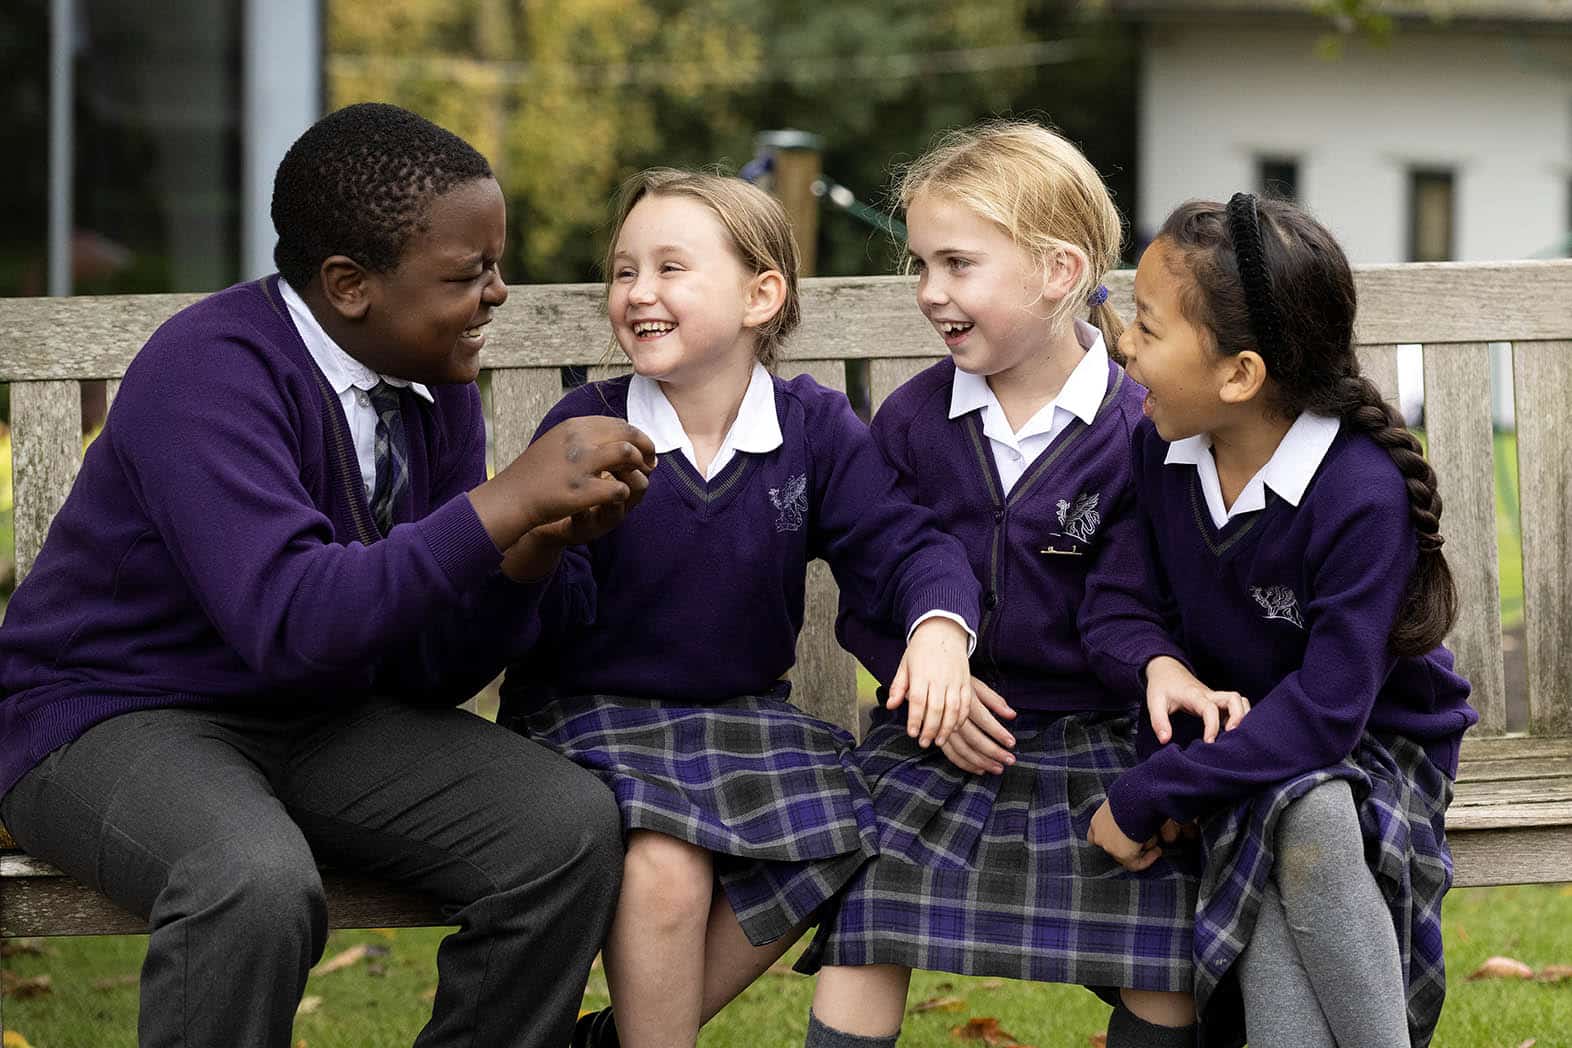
<point>473,332</point>
<point>954,327</point>
<point>653,327</point>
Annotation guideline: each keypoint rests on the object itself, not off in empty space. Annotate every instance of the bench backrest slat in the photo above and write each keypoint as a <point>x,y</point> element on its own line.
<point>886,376</point>
<point>1458,425</point>
<point>520,398</point>
<point>824,681</point>
<point>46,451</point>
<point>1542,373</point>
<point>1378,363</point>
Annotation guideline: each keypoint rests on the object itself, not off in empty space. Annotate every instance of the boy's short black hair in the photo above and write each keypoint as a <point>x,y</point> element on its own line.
<point>359,183</point>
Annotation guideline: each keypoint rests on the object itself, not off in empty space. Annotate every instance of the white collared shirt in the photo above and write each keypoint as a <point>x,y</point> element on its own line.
<point>349,378</point>
<point>757,428</point>
<point>1287,472</point>
<point>1079,397</point>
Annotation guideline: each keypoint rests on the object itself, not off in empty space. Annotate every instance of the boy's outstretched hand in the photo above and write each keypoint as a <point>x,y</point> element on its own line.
<point>577,481</point>
<point>934,680</point>
<point>1170,687</point>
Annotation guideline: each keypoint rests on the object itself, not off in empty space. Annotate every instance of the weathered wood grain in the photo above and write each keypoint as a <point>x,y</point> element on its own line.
<point>1510,855</point>
<point>38,900</point>
<point>824,681</point>
<point>1457,420</point>
<point>520,398</point>
<point>843,317</point>
<point>1378,363</point>
<point>1542,374</point>
<point>46,451</point>
<point>1507,748</point>
<point>886,375</point>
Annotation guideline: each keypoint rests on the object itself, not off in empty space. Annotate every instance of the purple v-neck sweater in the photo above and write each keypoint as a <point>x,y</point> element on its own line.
<point>1058,557</point>
<point>217,547</point>
<point>1291,606</point>
<point>698,596</point>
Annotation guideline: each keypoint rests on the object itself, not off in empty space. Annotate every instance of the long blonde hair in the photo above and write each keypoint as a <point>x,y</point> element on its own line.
<point>755,223</point>
<point>1037,187</point>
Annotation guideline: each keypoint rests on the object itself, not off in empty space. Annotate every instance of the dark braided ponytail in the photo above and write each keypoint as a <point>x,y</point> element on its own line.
<point>1264,275</point>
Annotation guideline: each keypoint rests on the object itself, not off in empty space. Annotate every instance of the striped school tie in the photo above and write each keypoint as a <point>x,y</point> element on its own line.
<point>391,454</point>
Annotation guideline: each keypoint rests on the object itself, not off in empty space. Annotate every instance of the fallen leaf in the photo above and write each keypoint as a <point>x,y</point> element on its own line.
<point>938,1004</point>
<point>988,1031</point>
<point>1554,973</point>
<point>347,958</point>
<point>1502,968</point>
<point>1462,935</point>
<point>308,1005</point>
<point>300,1043</point>
<point>1529,1043</point>
<point>13,985</point>
<point>1098,1040</point>
<point>12,1039</point>
<point>117,982</point>
<point>990,984</point>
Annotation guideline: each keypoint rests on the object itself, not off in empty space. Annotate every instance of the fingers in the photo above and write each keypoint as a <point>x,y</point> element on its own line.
<point>1209,719</point>
<point>986,724</point>
<point>1237,706</point>
<point>933,715</point>
<point>1150,854</point>
<point>992,700</point>
<point>897,694</point>
<point>1170,832</point>
<point>957,703</point>
<point>964,757</point>
<point>616,456</point>
<point>1157,709</point>
<point>974,738</point>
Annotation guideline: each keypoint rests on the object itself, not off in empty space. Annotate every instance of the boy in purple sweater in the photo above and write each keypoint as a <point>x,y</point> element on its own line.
<point>279,568</point>
<point>1294,532</point>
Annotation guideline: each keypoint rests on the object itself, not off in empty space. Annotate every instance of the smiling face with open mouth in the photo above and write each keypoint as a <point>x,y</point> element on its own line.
<point>428,315</point>
<point>980,290</point>
<point>678,292</point>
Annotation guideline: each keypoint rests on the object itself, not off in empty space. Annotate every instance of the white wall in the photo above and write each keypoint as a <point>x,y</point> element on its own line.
<point>1495,107</point>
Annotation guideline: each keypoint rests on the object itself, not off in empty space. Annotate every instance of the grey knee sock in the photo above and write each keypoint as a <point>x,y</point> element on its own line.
<point>1128,1030</point>
<point>1281,1009</point>
<point>1338,921</point>
<point>822,1036</point>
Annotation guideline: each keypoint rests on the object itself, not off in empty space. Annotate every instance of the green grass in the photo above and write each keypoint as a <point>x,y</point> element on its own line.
<point>364,1008</point>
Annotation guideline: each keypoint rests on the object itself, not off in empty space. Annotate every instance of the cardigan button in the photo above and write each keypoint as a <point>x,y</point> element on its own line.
<point>991,600</point>
<point>998,516</point>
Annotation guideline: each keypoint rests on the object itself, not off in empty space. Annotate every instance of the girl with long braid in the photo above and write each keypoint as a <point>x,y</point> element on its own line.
<point>1293,528</point>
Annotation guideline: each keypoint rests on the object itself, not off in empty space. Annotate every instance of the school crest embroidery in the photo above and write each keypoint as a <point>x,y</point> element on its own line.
<point>792,501</point>
<point>1279,603</point>
<point>1080,518</point>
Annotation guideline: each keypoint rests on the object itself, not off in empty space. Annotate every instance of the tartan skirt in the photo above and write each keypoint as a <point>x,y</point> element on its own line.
<point>772,792</point>
<point>1402,799</point>
<point>992,874</point>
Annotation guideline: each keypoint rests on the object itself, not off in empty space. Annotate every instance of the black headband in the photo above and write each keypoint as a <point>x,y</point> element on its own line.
<point>1245,226</point>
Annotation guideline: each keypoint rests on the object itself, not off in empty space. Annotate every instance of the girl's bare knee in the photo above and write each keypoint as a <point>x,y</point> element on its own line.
<point>1160,1007</point>
<point>670,882</point>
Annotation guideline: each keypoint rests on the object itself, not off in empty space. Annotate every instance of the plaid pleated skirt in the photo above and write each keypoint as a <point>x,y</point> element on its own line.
<point>1402,799</point>
<point>992,875</point>
<point>774,793</point>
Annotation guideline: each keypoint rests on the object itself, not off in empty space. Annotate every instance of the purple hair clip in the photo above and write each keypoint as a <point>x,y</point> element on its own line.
<point>1098,297</point>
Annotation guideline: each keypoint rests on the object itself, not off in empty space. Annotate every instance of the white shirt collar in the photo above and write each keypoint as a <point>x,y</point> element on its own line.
<point>1081,395</point>
<point>342,371</point>
<point>1288,472</point>
<point>757,428</point>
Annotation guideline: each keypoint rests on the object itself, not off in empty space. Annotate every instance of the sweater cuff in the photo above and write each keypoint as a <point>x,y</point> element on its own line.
<point>1132,806</point>
<point>957,601</point>
<point>971,634</point>
<point>459,543</point>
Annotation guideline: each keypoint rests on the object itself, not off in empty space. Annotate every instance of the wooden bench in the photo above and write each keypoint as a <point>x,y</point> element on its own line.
<point>1511,821</point>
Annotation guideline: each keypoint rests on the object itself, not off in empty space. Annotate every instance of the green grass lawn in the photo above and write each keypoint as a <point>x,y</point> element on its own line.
<point>92,1002</point>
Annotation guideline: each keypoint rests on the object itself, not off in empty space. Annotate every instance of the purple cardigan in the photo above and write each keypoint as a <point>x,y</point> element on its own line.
<point>217,547</point>
<point>698,596</point>
<point>1291,606</point>
<point>1047,616</point>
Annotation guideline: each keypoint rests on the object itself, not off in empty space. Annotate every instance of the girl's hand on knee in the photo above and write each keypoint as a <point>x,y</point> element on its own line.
<point>1171,688</point>
<point>934,680</point>
<point>1106,834</point>
<point>981,743</point>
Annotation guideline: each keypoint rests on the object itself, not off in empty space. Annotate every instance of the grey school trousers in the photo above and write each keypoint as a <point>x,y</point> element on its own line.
<point>211,823</point>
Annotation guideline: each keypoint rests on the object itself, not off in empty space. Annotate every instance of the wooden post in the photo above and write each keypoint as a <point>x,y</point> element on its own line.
<point>798,165</point>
